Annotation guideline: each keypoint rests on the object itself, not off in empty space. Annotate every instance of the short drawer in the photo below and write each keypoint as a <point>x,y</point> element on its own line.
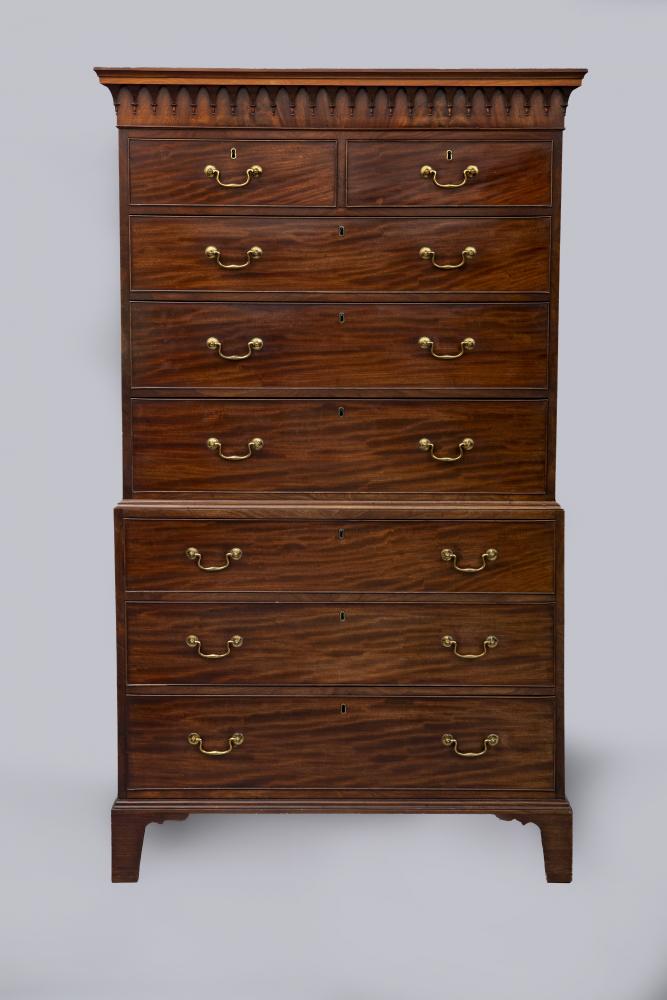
<point>401,446</point>
<point>219,172</point>
<point>272,254</point>
<point>321,743</point>
<point>174,554</point>
<point>429,174</point>
<point>249,345</point>
<point>325,644</point>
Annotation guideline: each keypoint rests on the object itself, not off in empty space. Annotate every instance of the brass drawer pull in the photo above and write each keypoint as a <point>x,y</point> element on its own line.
<point>432,174</point>
<point>489,741</point>
<point>255,444</point>
<point>448,555</point>
<point>449,642</point>
<point>251,172</point>
<point>427,254</point>
<point>194,554</point>
<point>194,642</point>
<point>468,344</point>
<point>466,445</point>
<point>256,344</point>
<point>254,253</point>
<point>235,740</point>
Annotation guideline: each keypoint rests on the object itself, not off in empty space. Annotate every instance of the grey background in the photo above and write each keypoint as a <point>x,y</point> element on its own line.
<point>370,908</point>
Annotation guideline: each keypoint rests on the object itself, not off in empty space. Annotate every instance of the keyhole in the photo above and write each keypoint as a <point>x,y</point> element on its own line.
<point>341,317</point>
<point>343,709</point>
<point>232,152</point>
<point>341,230</point>
<point>342,616</point>
<point>341,535</point>
<point>341,411</point>
<point>449,154</point>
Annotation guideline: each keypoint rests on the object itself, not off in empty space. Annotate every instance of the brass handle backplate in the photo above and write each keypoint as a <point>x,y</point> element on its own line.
<point>251,172</point>
<point>255,444</point>
<point>430,173</point>
<point>449,642</point>
<point>448,555</point>
<point>427,254</point>
<point>194,554</point>
<point>427,445</point>
<point>235,740</point>
<point>254,253</point>
<point>426,344</point>
<point>489,741</point>
<point>256,344</point>
<point>194,642</point>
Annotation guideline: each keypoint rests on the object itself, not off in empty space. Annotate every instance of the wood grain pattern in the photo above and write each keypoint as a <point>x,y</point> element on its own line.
<point>363,556</point>
<point>356,444</point>
<point>308,743</point>
<point>387,174</point>
<point>310,255</point>
<point>346,645</point>
<point>171,172</point>
<point>306,345</point>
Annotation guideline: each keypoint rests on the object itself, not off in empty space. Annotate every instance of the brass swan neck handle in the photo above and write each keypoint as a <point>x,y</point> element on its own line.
<point>489,741</point>
<point>426,344</point>
<point>194,642</point>
<point>254,253</point>
<point>254,445</point>
<point>467,444</point>
<point>256,344</point>
<point>430,173</point>
<point>449,642</point>
<point>235,740</point>
<point>234,553</point>
<point>466,254</point>
<point>251,173</point>
<point>448,555</point>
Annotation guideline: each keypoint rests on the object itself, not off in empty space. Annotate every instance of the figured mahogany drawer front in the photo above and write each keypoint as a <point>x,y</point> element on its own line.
<point>248,345</point>
<point>511,556</point>
<point>395,174</point>
<point>309,743</point>
<point>320,644</point>
<point>358,445</point>
<point>355,254</point>
<point>174,172</point>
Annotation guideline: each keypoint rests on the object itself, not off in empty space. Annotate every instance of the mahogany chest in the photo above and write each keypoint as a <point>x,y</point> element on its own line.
<point>339,556</point>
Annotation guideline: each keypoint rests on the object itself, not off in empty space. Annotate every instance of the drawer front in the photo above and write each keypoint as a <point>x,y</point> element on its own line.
<point>343,444</point>
<point>339,557</point>
<point>308,644</point>
<point>173,172</point>
<point>168,253</point>
<point>391,174</point>
<point>342,345</point>
<point>308,743</point>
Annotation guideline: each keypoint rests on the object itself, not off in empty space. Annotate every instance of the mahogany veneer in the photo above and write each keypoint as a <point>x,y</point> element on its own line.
<point>350,623</point>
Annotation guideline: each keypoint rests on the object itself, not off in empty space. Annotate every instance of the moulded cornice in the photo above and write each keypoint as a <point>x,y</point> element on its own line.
<point>378,98</point>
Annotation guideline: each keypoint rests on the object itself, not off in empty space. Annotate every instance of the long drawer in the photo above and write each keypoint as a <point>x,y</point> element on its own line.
<point>247,345</point>
<point>412,174</point>
<point>402,446</point>
<point>326,644</point>
<point>321,743</point>
<point>247,555</point>
<point>361,254</point>
<point>220,172</point>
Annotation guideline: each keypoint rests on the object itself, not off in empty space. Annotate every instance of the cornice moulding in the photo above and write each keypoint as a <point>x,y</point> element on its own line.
<point>343,98</point>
